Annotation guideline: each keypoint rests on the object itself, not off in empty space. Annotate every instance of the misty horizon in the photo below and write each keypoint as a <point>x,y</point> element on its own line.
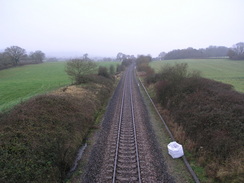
<point>71,28</point>
<point>76,54</point>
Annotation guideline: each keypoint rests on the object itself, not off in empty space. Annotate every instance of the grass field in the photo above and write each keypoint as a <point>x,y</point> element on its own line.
<point>223,70</point>
<point>20,83</point>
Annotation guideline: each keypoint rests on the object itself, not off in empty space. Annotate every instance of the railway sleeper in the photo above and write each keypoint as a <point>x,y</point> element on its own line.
<point>125,161</point>
<point>127,145</point>
<point>131,141</point>
<point>126,151</point>
<point>130,148</point>
<point>110,171</point>
<point>127,166</point>
<point>129,160</point>
<point>129,130</point>
<point>112,142</point>
<point>127,156</point>
<point>127,141</point>
<point>127,172</point>
<point>126,179</point>
<point>127,136</point>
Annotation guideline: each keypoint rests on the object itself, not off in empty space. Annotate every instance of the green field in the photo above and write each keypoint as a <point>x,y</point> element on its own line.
<point>20,83</point>
<point>223,70</point>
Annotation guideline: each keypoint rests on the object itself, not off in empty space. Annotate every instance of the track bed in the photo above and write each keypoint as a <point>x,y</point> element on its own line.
<point>126,150</point>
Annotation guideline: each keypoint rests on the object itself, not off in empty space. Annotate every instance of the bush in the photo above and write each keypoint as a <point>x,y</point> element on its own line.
<point>103,71</point>
<point>111,70</point>
<point>40,137</point>
<point>210,112</point>
<point>142,59</point>
<point>168,81</point>
<point>126,62</point>
<point>78,69</point>
<point>120,68</point>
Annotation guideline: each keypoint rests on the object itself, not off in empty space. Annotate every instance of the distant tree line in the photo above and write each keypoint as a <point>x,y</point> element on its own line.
<point>15,55</point>
<point>210,52</point>
<point>122,57</point>
<point>236,52</point>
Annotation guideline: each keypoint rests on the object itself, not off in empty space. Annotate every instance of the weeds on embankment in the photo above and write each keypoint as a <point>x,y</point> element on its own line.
<point>206,116</point>
<point>40,137</point>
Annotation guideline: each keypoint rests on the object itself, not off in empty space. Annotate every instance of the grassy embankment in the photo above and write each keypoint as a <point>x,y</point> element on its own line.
<point>223,70</point>
<point>21,83</point>
<point>39,138</point>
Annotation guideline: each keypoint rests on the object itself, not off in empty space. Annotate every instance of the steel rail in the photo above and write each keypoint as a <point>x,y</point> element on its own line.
<point>118,135</point>
<point>134,128</point>
<point>128,75</point>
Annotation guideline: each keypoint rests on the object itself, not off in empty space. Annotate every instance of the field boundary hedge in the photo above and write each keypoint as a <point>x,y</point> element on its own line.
<point>208,117</point>
<point>41,136</point>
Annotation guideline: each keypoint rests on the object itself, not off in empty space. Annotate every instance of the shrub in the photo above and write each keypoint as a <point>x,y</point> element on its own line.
<point>120,68</point>
<point>78,69</point>
<point>112,70</point>
<point>168,82</point>
<point>210,112</point>
<point>142,59</point>
<point>40,137</point>
<point>212,115</point>
<point>174,74</point>
<point>103,71</point>
<point>126,62</point>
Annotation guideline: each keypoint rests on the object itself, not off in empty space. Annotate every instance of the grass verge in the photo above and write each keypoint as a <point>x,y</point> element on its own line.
<point>176,167</point>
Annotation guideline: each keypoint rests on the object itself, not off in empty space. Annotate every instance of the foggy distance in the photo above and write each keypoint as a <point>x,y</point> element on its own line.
<point>71,28</point>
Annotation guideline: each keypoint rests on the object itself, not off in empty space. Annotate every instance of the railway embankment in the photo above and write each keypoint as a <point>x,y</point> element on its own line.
<point>205,116</point>
<point>40,137</point>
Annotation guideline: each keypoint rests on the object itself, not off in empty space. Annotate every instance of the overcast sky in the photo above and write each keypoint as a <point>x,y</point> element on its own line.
<point>106,27</point>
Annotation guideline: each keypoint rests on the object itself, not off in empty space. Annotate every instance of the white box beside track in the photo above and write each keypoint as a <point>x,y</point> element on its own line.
<point>175,150</point>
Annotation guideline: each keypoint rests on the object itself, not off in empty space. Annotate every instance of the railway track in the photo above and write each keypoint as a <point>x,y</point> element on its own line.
<point>126,166</point>
<point>126,149</point>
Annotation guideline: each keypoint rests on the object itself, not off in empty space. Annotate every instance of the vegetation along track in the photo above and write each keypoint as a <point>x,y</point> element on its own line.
<point>126,150</point>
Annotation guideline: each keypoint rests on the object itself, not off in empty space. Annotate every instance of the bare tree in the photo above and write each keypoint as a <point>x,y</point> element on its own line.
<point>85,57</point>
<point>77,69</point>
<point>239,48</point>
<point>120,56</point>
<point>161,55</point>
<point>237,51</point>
<point>15,53</point>
<point>38,56</point>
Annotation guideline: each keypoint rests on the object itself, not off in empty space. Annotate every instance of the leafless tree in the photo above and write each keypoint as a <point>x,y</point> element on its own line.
<point>239,48</point>
<point>161,55</point>
<point>38,56</point>
<point>77,69</point>
<point>85,57</point>
<point>120,56</point>
<point>237,51</point>
<point>15,53</point>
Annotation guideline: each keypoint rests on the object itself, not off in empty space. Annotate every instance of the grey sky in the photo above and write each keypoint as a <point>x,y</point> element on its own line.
<point>106,27</point>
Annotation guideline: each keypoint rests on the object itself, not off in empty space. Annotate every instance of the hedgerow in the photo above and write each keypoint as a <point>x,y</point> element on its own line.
<point>40,137</point>
<point>211,114</point>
